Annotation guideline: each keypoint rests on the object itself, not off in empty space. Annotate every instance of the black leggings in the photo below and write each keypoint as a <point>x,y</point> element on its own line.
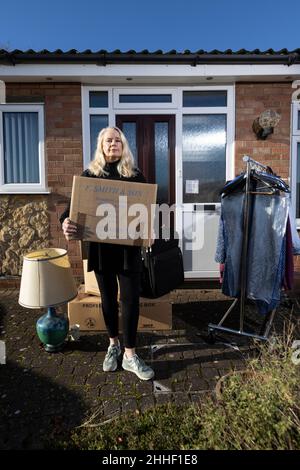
<point>129,297</point>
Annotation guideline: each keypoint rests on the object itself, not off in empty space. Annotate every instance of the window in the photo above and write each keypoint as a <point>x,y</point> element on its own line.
<point>22,158</point>
<point>144,98</point>
<point>96,116</point>
<point>204,98</point>
<point>98,99</point>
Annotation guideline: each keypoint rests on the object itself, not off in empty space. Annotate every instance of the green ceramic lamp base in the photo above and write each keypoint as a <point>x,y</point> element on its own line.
<point>53,349</point>
<point>52,330</point>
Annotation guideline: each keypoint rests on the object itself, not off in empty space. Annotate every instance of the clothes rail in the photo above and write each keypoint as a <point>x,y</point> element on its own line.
<point>254,164</point>
<point>250,165</point>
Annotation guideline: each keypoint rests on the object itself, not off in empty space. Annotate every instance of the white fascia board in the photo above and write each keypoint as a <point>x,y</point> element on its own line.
<point>82,72</point>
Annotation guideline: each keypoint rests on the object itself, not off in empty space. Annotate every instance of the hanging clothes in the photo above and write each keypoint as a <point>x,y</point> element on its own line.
<point>267,250</point>
<point>266,255</point>
<point>288,280</point>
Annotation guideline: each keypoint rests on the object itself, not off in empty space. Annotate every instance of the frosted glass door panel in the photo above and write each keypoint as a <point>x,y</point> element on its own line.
<point>129,129</point>
<point>204,157</point>
<point>97,123</point>
<point>161,149</point>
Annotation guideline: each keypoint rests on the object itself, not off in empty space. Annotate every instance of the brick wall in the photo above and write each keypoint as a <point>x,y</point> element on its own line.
<point>251,100</point>
<point>63,148</point>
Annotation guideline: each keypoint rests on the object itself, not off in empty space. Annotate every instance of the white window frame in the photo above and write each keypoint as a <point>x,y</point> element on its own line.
<point>24,188</point>
<point>295,140</point>
<point>160,108</point>
<point>296,110</point>
<point>87,111</point>
<point>144,91</point>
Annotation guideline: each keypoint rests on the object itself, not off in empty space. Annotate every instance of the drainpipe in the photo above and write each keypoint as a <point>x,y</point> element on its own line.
<point>2,92</point>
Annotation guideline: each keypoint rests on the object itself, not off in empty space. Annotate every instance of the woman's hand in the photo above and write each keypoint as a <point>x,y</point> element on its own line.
<point>69,229</point>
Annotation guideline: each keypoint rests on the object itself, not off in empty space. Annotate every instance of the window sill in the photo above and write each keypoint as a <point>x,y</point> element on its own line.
<point>24,191</point>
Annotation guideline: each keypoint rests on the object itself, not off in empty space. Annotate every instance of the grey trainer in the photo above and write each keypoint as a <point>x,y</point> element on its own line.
<point>110,363</point>
<point>136,365</point>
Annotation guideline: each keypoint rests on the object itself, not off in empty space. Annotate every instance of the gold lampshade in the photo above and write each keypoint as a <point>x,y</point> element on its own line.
<point>47,279</point>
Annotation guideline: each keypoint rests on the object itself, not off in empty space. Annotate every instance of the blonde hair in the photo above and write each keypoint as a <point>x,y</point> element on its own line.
<point>126,163</point>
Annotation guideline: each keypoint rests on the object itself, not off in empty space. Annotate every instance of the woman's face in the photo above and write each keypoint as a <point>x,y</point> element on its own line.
<point>112,145</point>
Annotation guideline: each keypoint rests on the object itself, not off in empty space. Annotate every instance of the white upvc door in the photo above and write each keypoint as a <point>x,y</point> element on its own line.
<point>205,160</point>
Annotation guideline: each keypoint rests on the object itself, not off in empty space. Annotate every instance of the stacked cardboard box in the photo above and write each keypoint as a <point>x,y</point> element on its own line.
<point>85,310</point>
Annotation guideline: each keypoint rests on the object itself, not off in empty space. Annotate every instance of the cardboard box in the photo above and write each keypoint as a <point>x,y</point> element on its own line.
<point>155,314</point>
<point>101,208</point>
<point>85,310</point>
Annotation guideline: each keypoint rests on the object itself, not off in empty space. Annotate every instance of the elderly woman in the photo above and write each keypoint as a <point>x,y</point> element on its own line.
<point>110,262</point>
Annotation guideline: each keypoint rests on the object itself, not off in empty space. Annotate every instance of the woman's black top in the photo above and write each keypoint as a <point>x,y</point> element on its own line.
<point>108,257</point>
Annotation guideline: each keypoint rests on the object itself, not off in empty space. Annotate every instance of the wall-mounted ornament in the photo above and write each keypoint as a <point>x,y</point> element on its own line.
<point>264,124</point>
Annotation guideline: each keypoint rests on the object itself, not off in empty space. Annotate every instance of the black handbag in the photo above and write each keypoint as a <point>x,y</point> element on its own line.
<point>162,268</point>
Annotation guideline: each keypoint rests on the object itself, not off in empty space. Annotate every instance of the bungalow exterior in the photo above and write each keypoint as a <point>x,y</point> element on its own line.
<point>188,118</point>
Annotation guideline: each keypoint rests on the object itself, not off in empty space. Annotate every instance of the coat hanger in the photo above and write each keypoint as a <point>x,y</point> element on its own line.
<point>236,184</point>
<point>270,181</point>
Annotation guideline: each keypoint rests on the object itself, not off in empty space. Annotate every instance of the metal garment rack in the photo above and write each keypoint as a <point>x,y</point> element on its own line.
<point>250,164</point>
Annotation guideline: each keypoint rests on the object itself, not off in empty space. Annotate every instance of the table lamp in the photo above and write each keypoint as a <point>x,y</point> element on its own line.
<point>47,281</point>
